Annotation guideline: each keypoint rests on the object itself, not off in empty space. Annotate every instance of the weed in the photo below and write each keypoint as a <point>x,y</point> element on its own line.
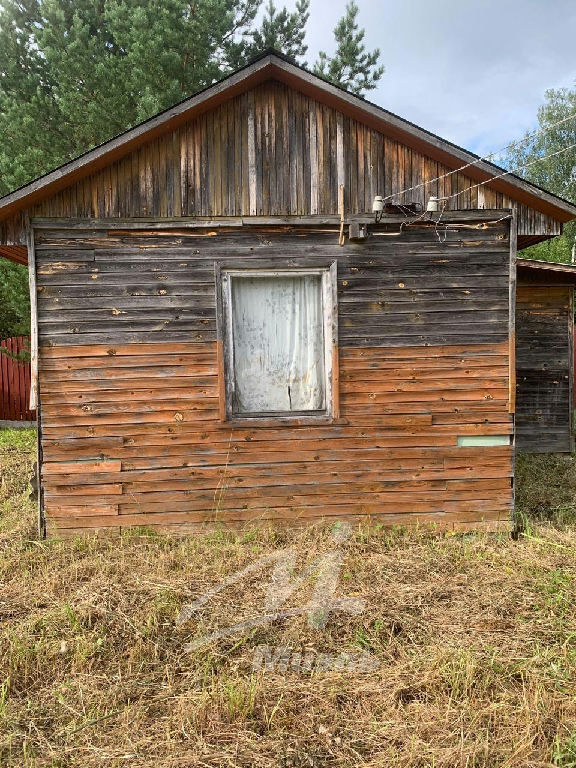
<point>546,488</point>
<point>564,751</point>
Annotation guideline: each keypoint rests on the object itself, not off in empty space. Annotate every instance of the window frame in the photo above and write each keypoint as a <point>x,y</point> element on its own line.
<point>328,274</point>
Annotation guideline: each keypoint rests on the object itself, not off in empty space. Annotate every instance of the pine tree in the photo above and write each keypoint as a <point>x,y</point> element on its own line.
<point>282,30</point>
<point>351,67</point>
<point>74,73</point>
<point>14,300</point>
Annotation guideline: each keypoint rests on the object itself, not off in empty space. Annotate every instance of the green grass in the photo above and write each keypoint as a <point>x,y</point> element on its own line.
<point>18,440</point>
<point>546,488</point>
<point>17,458</point>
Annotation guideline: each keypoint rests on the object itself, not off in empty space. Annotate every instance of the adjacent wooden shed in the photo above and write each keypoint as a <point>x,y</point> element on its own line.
<point>226,334</point>
<point>545,357</point>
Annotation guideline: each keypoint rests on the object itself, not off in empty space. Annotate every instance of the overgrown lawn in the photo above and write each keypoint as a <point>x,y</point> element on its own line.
<point>474,636</point>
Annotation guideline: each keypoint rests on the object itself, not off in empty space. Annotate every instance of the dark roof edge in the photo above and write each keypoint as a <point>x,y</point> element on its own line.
<point>471,155</point>
<point>548,266</point>
<point>135,129</point>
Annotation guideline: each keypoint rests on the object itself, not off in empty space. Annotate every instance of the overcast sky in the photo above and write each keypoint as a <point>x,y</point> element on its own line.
<point>472,71</point>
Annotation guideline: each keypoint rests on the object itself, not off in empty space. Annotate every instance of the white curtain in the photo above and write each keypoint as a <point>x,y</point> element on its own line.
<point>278,342</point>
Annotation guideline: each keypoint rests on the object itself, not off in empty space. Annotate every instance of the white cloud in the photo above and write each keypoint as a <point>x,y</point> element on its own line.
<point>473,72</point>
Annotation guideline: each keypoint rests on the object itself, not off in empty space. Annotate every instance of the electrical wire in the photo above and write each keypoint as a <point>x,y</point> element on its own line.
<point>514,170</point>
<point>483,159</point>
<point>445,200</point>
<point>480,184</point>
<point>492,178</point>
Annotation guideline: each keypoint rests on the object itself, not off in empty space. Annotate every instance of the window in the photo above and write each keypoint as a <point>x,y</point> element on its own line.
<point>278,339</point>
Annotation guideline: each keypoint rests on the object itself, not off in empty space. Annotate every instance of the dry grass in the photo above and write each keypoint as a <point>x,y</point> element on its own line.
<point>475,636</point>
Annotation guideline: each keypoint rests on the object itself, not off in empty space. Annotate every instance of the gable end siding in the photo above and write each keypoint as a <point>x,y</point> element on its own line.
<point>271,151</point>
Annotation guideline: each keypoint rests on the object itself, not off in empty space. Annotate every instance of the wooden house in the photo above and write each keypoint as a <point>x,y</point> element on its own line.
<point>226,333</point>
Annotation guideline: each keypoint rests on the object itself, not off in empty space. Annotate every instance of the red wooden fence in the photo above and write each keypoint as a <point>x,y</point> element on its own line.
<point>15,382</point>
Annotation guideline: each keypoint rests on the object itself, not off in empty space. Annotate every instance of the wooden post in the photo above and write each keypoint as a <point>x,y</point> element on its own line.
<point>571,366</point>
<point>512,359</point>
<point>34,388</point>
<point>251,159</point>
<point>341,238</point>
<point>512,316</point>
<point>33,319</point>
<point>313,161</point>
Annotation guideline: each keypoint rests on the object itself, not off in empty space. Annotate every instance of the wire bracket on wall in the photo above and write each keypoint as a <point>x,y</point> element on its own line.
<point>357,231</point>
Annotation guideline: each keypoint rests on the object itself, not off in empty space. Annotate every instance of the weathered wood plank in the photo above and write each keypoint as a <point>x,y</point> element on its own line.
<point>418,366</point>
<point>544,349</point>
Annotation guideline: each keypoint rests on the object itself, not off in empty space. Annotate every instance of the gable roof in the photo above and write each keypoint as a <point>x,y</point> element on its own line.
<point>272,65</point>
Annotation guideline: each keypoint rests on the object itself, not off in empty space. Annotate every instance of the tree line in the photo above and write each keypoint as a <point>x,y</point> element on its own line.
<point>531,155</point>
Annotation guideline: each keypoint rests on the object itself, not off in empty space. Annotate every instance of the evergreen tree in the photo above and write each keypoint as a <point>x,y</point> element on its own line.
<point>14,300</point>
<point>74,73</point>
<point>351,67</point>
<point>556,174</point>
<point>282,30</point>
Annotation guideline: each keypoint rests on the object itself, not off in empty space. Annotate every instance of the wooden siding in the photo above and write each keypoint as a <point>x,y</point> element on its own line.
<point>411,290</point>
<point>271,151</point>
<point>133,444</point>
<point>544,355</point>
<point>129,381</point>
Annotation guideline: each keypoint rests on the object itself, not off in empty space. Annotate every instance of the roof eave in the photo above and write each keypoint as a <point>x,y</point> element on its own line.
<point>418,138</point>
<point>121,145</point>
<point>553,267</point>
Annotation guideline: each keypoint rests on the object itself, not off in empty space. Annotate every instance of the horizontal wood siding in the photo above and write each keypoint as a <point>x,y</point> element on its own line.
<point>99,288</point>
<point>544,354</point>
<point>151,451</point>
<point>270,151</point>
<point>129,382</point>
